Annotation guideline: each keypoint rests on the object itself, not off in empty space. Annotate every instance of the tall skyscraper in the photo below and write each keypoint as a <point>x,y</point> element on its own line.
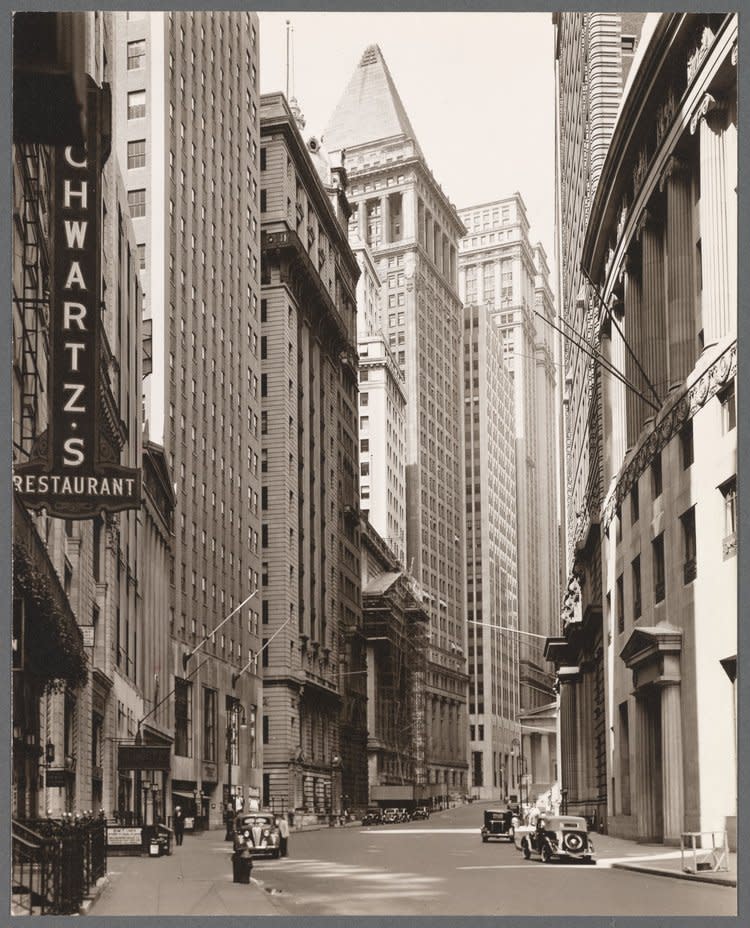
<point>187,114</point>
<point>491,558</point>
<point>314,716</point>
<point>501,271</point>
<point>412,229</point>
<point>654,549</point>
<point>593,53</point>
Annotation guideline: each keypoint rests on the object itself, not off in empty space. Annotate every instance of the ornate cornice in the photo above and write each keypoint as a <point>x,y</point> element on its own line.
<point>669,422</point>
<point>699,54</point>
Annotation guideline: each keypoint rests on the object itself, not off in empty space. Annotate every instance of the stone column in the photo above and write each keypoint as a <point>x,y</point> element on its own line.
<point>654,355</point>
<point>385,219</point>
<point>642,785</point>
<point>636,409</point>
<point>730,174</point>
<point>683,342</point>
<point>671,763</point>
<point>362,220</point>
<point>409,214</point>
<point>716,305</point>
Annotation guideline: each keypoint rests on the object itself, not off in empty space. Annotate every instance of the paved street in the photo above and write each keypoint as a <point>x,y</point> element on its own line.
<point>423,868</point>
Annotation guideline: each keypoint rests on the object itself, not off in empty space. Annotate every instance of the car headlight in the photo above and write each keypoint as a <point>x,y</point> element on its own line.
<point>246,834</point>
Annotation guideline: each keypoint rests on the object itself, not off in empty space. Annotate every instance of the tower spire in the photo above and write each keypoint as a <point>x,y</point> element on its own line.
<point>293,104</point>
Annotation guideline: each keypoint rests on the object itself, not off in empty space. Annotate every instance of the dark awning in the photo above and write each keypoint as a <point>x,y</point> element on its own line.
<point>143,757</point>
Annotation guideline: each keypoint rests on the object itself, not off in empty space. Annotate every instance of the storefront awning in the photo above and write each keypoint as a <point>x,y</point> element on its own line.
<point>143,757</point>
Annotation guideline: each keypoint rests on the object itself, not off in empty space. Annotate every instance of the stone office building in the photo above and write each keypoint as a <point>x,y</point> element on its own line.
<point>314,719</point>
<point>187,112</point>
<point>661,246</point>
<point>412,231</point>
<point>89,593</point>
<point>593,56</point>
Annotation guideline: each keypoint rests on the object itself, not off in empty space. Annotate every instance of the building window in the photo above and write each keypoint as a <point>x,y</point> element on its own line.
<point>209,725</point>
<point>136,54</point>
<point>141,256</point>
<point>657,547</point>
<point>636,568</point>
<point>263,201</point>
<point>183,718</point>
<point>620,604</point>
<point>728,408</point>
<point>690,563</point>
<point>265,736</point>
<point>262,159</point>
<point>634,503</point>
<point>656,477</point>
<point>729,492</point>
<point>137,203</point>
<point>264,652</point>
<point>136,104</point>
<point>137,154</point>
<point>686,444</point>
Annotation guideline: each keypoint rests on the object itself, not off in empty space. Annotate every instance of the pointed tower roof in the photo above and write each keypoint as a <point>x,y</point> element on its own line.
<point>370,108</point>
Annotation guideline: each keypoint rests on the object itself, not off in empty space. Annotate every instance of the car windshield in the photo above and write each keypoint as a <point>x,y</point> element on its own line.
<point>263,820</point>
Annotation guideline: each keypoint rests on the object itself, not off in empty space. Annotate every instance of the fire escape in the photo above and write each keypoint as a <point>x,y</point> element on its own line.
<point>33,300</point>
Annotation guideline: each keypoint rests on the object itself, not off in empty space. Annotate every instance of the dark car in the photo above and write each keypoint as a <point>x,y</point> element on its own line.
<point>499,823</point>
<point>391,816</point>
<point>559,836</point>
<point>258,833</point>
<point>420,813</point>
<point>372,817</point>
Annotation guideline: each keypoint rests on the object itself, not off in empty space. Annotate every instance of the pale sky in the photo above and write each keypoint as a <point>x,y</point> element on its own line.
<point>478,88</point>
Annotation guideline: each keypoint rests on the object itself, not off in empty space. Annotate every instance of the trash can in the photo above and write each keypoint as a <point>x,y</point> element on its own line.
<point>242,865</point>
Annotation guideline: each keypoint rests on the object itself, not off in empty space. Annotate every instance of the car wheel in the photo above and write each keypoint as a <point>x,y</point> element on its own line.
<point>526,849</point>
<point>546,854</point>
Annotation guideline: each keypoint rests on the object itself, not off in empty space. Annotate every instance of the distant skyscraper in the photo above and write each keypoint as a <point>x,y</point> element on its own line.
<point>491,558</point>
<point>187,113</point>
<point>502,272</point>
<point>412,229</point>
<point>315,712</point>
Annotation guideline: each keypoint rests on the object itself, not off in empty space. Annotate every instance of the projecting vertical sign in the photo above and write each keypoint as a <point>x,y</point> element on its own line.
<point>73,471</point>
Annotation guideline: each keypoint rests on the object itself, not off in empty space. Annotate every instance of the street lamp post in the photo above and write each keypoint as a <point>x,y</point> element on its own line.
<point>235,709</point>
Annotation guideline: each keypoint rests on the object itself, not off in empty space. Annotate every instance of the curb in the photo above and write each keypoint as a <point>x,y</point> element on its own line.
<point>677,874</point>
<point>88,902</point>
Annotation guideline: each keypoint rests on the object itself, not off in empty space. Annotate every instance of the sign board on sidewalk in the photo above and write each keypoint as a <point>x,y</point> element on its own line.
<point>120,836</point>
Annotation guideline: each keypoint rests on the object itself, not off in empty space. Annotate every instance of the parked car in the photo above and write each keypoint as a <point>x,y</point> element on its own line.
<point>391,816</point>
<point>559,836</point>
<point>258,833</point>
<point>420,813</point>
<point>499,823</point>
<point>373,816</point>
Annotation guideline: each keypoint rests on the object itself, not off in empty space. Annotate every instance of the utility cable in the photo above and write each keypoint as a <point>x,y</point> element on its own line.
<point>599,360</point>
<point>614,322</point>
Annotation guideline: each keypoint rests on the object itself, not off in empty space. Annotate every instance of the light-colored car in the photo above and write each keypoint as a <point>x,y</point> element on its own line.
<point>391,816</point>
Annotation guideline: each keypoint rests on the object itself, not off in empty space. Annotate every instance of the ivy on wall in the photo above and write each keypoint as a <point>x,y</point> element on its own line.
<point>53,642</point>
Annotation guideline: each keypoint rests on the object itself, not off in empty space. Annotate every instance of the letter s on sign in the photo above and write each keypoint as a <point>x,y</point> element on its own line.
<point>74,447</point>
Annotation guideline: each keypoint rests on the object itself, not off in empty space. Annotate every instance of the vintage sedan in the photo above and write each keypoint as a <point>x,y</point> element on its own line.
<point>258,833</point>
<point>392,816</point>
<point>559,837</point>
<point>373,816</point>
<point>421,812</point>
<point>499,823</point>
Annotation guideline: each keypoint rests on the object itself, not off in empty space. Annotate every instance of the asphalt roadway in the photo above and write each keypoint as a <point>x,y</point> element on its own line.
<point>425,868</point>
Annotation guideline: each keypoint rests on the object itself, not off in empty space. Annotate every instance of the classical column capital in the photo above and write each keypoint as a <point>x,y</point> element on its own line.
<point>647,218</point>
<point>708,104</point>
<point>733,54</point>
<point>674,166</point>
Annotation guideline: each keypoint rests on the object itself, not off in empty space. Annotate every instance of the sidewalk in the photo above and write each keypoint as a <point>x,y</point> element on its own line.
<point>657,859</point>
<point>196,879</point>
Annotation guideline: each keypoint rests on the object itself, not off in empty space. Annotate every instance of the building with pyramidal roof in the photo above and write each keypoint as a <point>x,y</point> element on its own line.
<point>412,230</point>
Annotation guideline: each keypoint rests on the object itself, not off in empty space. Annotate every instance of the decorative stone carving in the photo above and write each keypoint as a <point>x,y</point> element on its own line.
<point>707,105</point>
<point>639,171</point>
<point>733,55</point>
<point>669,424</point>
<point>673,166</point>
<point>699,55</point>
<point>665,114</point>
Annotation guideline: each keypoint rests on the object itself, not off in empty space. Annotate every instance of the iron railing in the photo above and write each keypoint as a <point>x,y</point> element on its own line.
<point>56,863</point>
